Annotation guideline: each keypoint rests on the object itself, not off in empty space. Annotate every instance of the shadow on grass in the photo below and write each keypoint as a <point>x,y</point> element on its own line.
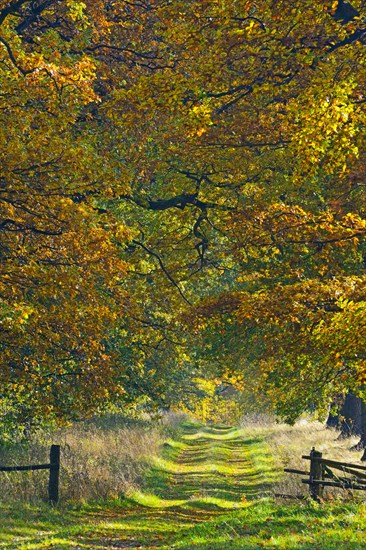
<point>259,525</point>
<point>208,466</point>
<point>202,495</point>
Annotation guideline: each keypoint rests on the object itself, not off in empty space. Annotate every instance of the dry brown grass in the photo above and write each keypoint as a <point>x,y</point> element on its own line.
<point>100,459</point>
<point>289,443</point>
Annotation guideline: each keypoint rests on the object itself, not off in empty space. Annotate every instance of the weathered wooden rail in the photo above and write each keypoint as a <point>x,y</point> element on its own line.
<point>53,467</point>
<point>321,475</point>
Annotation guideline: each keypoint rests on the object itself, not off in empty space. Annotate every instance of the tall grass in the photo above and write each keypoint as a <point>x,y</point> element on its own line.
<point>103,458</point>
<point>289,443</point>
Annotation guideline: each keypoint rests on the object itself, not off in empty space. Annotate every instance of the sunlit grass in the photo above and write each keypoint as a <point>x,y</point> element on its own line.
<point>100,458</point>
<point>204,492</point>
<point>289,443</point>
<point>261,524</point>
<point>209,433</point>
<point>198,501</point>
<point>212,467</point>
<point>153,501</point>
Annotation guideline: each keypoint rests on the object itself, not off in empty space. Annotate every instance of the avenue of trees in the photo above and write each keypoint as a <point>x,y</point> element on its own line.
<point>182,195</point>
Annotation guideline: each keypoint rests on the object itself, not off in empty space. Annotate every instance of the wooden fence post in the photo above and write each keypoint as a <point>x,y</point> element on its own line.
<point>53,483</point>
<point>316,473</point>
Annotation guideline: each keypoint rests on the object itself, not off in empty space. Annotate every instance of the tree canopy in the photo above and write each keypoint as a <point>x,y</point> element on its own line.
<point>180,179</point>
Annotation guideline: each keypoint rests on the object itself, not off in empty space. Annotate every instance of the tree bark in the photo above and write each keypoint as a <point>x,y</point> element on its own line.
<point>361,445</point>
<point>333,420</point>
<point>350,416</point>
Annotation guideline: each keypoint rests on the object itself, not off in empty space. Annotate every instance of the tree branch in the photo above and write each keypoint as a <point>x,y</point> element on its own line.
<point>12,8</point>
<point>164,269</point>
<point>179,201</point>
<point>19,228</point>
<point>36,11</point>
<point>12,58</point>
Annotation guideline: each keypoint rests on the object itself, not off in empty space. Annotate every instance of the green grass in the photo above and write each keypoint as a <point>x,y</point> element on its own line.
<point>209,490</point>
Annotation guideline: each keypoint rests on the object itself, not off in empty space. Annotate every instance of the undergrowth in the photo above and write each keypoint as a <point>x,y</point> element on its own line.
<point>289,443</point>
<point>208,488</point>
<point>101,458</point>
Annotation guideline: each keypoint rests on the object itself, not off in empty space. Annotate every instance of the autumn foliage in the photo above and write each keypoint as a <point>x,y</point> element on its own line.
<point>172,161</point>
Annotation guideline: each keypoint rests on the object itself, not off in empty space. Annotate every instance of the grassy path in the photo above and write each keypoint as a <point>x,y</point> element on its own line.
<point>211,468</point>
<point>207,491</point>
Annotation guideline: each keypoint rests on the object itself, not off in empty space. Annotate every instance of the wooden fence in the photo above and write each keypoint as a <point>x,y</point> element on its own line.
<point>321,475</point>
<point>53,467</point>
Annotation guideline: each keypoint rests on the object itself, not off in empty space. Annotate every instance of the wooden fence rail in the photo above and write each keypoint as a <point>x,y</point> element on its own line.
<point>320,475</point>
<point>53,467</point>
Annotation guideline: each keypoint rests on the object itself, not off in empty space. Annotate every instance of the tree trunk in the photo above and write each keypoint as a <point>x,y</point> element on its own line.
<point>361,445</point>
<point>333,420</point>
<point>350,416</point>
